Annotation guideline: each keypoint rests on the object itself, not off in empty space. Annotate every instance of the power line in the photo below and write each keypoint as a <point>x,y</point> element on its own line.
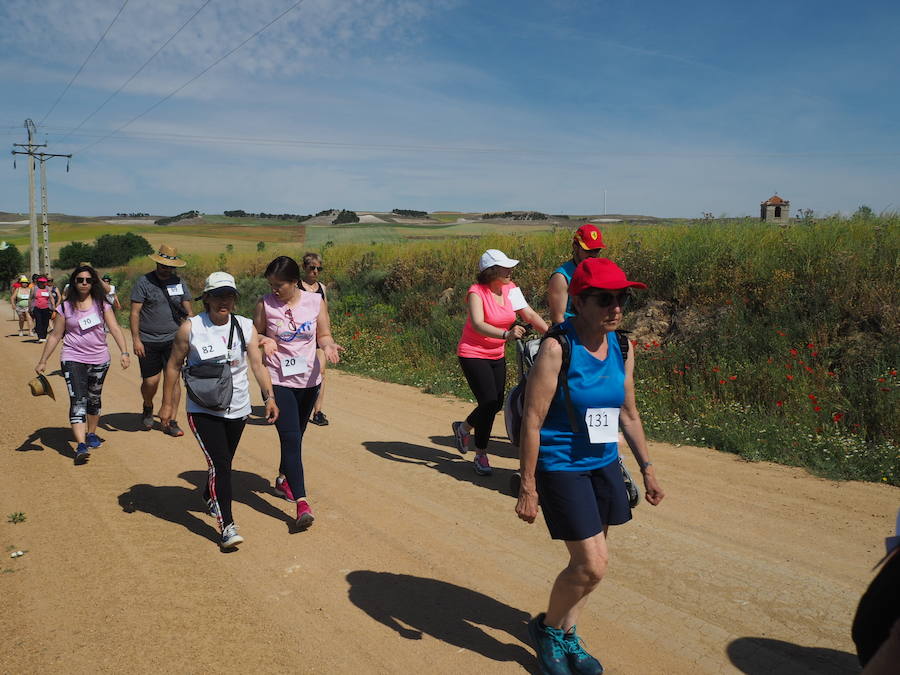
<point>249,140</point>
<point>137,72</point>
<point>75,76</point>
<point>193,79</point>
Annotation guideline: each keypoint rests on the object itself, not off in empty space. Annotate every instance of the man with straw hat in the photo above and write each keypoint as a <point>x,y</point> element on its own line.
<point>160,302</point>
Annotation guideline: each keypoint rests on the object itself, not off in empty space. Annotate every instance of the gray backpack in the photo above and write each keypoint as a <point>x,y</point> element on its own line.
<point>209,384</point>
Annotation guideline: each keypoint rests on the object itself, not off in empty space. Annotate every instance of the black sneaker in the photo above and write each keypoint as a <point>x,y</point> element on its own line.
<point>319,419</point>
<point>515,484</point>
<point>174,430</point>
<point>147,417</point>
<point>550,647</point>
<point>580,662</point>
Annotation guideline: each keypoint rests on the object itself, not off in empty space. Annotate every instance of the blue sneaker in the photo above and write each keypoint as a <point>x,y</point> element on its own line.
<point>93,441</point>
<point>580,662</point>
<point>82,452</point>
<point>550,647</point>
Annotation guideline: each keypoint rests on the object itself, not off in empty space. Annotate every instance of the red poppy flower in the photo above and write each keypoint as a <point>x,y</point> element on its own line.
<point>814,354</point>
<point>732,377</point>
<point>817,408</point>
<point>788,365</point>
<point>831,373</point>
<point>721,381</point>
<point>893,372</point>
<point>881,379</point>
<point>794,352</point>
<point>812,397</point>
<point>810,345</point>
<point>790,377</point>
<point>808,369</point>
<point>885,389</point>
<point>714,369</point>
<point>781,333</point>
<point>837,417</point>
<point>779,403</point>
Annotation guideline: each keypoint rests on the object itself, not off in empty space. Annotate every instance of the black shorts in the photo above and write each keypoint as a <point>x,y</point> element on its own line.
<point>156,357</point>
<point>579,504</point>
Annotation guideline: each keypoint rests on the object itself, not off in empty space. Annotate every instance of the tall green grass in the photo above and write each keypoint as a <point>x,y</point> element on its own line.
<point>782,342</point>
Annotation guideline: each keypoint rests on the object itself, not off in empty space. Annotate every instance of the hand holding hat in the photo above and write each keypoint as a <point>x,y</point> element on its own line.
<point>40,386</point>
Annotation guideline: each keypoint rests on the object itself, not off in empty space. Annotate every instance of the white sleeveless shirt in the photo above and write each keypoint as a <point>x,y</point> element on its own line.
<point>209,344</point>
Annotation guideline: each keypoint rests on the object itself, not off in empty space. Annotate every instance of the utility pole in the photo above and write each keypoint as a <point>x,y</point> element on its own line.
<point>32,216</point>
<point>45,225</point>
<point>30,150</point>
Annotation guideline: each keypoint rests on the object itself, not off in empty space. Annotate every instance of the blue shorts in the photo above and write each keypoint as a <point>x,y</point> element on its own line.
<point>579,504</point>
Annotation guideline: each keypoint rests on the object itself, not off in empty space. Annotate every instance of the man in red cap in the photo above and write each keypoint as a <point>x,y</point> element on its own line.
<point>586,243</point>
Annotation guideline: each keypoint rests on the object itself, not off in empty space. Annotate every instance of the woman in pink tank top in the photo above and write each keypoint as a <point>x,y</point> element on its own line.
<point>292,323</point>
<point>493,305</point>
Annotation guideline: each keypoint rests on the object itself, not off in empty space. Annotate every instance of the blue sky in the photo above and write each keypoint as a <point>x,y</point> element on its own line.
<point>671,108</point>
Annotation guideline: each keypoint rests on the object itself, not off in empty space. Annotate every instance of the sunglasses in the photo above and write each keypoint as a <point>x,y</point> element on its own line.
<point>83,280</point>
<point>318,268</point>
<point>166,267</point>
<point>606,299</point>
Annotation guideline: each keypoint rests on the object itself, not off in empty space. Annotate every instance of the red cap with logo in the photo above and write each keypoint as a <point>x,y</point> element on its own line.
<point>589,238</point>
<point>600,273</point>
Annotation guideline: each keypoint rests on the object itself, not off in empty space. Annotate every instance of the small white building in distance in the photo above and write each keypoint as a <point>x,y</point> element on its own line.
<point>775,210</point>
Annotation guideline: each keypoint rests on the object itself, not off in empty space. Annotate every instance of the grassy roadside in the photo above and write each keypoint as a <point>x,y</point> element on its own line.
<point>772,343</point>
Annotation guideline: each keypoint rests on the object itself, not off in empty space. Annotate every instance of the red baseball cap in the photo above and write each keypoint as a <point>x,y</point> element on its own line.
<point>42,279</point>
<point>588,237</point>
<point>600,273</point>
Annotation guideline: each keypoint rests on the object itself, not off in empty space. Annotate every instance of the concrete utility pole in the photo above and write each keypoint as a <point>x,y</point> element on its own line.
<point>32,216</point>
<point>30,148</point>
<point>45,225</point>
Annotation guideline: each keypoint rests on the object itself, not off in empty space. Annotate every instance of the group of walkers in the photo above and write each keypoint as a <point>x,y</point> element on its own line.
<point>286,344</point>
<point>579,393</point>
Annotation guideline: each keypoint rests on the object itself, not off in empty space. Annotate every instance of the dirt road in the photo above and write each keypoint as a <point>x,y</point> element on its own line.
<point>414,565</point>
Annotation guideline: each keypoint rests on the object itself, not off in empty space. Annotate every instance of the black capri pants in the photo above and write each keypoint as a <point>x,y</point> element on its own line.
<point>487,380</point>
<point>85,384</point>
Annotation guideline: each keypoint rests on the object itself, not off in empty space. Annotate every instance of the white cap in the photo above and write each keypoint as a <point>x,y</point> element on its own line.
<point>218,280</point>
<point>493,257</point>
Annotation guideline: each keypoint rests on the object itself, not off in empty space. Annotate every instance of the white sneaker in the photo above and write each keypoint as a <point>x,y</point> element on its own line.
<point>230,537</point>
<point>41,341</point>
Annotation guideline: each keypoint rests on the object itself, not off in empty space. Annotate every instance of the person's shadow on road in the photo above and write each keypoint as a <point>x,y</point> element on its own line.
<point>123,421</point>
<point>758,655</point>
<point>178,504</point>
<point>449,463</point>
<point>498,446</point>
<point>55,438</point>
<point>413,606</point>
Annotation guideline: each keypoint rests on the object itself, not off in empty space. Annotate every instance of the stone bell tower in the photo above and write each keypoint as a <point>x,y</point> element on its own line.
<point>775,210</point>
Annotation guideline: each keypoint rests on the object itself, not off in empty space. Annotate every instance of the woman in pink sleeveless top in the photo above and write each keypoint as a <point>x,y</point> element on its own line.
<point>493,305</point>
<point>291,323</point>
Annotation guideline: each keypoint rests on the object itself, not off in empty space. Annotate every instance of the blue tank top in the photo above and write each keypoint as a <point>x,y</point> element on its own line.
<point>593,384</point>
<point>567,270</point>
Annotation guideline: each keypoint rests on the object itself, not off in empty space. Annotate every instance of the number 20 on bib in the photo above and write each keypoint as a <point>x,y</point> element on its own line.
<point>602,424</point>
<point>291,365</point>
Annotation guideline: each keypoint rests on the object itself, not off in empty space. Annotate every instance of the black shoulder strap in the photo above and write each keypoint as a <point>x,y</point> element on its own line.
<point>558,334</point>
<point>178,313</point>
<point>624,343</point>
<point>240,332</point>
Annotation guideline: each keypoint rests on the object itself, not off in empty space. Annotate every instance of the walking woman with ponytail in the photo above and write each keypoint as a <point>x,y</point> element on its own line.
<point>292,322</point>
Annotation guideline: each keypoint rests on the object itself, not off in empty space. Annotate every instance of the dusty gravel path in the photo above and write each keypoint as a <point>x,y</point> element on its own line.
<point>415,565</point>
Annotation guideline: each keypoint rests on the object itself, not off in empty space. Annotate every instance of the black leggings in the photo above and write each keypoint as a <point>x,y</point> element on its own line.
<point>294,407</point>
<point>218,438</point>
<point>85,384</point>
<point>487,380</point>
<point>41,321</point>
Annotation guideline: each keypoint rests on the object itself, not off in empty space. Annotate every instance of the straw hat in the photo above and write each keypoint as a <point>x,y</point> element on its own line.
<point>168,256</point>
<point>40,386</point>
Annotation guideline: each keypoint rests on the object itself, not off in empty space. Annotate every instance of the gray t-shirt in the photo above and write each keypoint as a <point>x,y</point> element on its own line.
<point>157,323</point>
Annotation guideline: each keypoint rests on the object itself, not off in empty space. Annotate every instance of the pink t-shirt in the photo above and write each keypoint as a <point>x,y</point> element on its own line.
<point>293,327</point>
<point>42,297</point>
<point>85,339</point>
<point>474,345</point>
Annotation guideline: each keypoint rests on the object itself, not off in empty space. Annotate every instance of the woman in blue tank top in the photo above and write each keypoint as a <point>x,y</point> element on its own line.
<point>568,457</point>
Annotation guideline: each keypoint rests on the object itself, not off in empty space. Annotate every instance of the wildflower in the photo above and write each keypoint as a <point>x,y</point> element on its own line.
<point>788,365</point>
<point>814,354</point>
<point>893,372</point>
<point>812,397</point>
<point>714,369</point>
<point>837,417</point>
<point>790,377</point>
<point>808,369</point>
<point>779,403</point>
<point>831,373</point>
<point>794,352</point>
<point>721,381</point>
<point>817,408</point>
<point>881,379</point>
<point>732,377</point>
<point>885,388</point>
<point>810,345</point>
<point>780,332</point>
